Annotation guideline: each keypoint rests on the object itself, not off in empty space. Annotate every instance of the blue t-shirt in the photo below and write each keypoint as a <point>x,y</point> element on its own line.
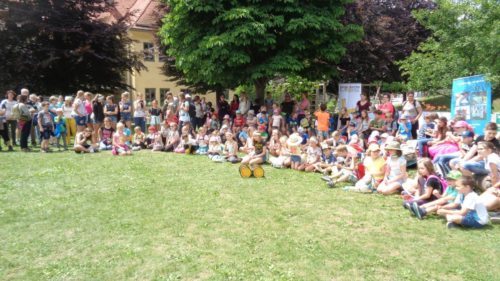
<point>243,135</point>
<point>328,160</point>
<point>402,132</point>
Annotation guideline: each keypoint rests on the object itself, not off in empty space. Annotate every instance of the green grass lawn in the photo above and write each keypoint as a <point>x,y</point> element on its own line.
<point>174,217</point>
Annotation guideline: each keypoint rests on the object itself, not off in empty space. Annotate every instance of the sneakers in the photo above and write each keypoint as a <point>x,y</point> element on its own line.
<point>451,225</point>
<point>326,178</point>
<point>407,205</point>
<point>331,184</point>
<point>417,211</point>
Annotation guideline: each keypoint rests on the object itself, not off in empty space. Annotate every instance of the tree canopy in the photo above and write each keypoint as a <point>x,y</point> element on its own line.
<point>391,33</point>
<point>229,43</point>
<point>61,46</point>
<point>465,39</point>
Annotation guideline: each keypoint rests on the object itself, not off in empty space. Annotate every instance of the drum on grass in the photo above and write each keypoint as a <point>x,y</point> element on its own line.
<point>246,171</point>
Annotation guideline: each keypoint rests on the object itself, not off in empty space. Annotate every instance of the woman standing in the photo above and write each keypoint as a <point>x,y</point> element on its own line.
<point>140,112</point>
<point>413,110</point>
<point>11,124</point>
<point>111,110</point>
<point>68,115</point>
<point>88,108</point>
<point>98,119</point>
<point>364,103</point>
<point>25,121</point>
<point>79,112</point>
<point>344,120</point>
<point>235,104</point>
<point>244,104</point>
<point>303,106</point>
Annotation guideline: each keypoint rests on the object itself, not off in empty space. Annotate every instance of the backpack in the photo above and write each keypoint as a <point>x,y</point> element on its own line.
<point>444,183</point>
<point>16,112</point>
<point>192,111</point>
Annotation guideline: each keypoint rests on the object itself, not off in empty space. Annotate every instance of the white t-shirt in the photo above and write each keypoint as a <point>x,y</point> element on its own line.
<point>471,202</point>
<point>80,108</point>
<point>395,166</point>
<point>277,120</point>
<point>8,105</point>
<point>493,158</point>
<point>139,112</point>
<point>184,115</point>
<point>67,110</point>
<point>313,154</point>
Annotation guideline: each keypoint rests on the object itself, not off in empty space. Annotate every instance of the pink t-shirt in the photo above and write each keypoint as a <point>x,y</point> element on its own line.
<point>88,107</point>
<point>303,105</point>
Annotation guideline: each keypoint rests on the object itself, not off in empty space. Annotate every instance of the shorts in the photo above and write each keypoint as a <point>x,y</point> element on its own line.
<point>47,133</point>
<point>126,116</point>
<point>155,120</point>
<point>471,220</point>
<point>350,175</point>
<point>296,158</point>
<point>81,120</point>
<point>323,134</point>
<point>113,118</point>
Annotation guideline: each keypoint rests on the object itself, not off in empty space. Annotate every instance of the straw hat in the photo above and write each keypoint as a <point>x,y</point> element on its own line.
<point>294,140</point>
<point>393,145</point>
<point>373,147</point>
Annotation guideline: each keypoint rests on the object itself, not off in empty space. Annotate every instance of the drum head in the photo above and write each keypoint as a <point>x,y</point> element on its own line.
<point>245,171</point>
<point>258,172</point>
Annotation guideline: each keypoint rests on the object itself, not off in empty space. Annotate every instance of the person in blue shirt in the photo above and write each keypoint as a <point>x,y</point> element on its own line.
<point>404,129</point>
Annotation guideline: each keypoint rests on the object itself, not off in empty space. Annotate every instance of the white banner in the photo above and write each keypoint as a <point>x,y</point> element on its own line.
<point>349,95</point>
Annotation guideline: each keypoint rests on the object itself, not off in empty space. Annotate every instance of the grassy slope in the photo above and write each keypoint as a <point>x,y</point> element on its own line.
<point>150,217</point>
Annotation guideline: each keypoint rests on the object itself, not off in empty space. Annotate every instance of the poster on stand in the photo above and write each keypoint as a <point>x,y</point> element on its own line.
<point>471,99</point>
<point>349,95</point>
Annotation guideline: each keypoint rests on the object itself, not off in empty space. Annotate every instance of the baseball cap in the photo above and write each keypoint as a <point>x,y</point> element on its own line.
<point>454,175</point>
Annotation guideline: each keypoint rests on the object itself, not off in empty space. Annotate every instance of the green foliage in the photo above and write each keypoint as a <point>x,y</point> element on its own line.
<point>231,43</point>
<point>294,85</point>
<point>165,216</point>
<point>464,42</point>
<point>58,47</point>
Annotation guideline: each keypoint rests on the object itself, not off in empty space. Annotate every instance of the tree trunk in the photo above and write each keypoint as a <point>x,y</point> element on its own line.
<point>219,91</point>
<point>260,88</point>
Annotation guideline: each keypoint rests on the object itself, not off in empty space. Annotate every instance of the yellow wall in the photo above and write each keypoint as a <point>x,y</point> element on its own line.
<point>153,76</point>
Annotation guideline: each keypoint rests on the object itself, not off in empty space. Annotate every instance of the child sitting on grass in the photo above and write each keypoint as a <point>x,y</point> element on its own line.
<point>259,153</point>
<point>426,186</point>
<point>139,140</point>
<point>472,214</point>
<point>447,201</point>
<point>313,156</point>
<point>343,170</point>
<point>375,167</point>
<point>120,146</point>
<point>395,174</point>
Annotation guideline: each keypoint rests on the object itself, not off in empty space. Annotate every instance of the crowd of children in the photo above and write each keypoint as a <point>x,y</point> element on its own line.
<point>364,153</point>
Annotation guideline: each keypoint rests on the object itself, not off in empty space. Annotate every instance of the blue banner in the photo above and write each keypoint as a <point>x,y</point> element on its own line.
<point>471,99</point>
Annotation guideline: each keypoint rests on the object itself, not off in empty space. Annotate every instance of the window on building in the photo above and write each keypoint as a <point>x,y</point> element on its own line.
<point>162,54</point>
<point>149,51</point>
<point>150,95</point>
<point>163,94</point>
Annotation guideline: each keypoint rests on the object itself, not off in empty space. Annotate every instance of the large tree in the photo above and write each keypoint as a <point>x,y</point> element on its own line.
<point>229,43</point>
<point>465,39</point>
<point>60,46</point>
<point>391,33</point>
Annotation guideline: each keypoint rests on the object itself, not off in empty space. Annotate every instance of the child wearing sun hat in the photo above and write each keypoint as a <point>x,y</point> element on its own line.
<point>294,147</point>
<point>374,164</point>
<point>395,173</point>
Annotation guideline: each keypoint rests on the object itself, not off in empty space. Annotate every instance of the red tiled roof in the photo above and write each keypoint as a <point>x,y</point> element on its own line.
<point>144,12</point>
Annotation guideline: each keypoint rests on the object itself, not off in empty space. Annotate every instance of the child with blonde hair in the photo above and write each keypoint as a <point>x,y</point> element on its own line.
<point>120,146</point>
